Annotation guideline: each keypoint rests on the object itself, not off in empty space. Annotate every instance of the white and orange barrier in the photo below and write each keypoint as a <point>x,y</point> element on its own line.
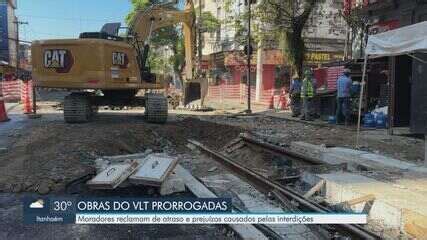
<point>239,92</point>
<point>26,96</point>
<point>11,90</point>
<point>3,114</point>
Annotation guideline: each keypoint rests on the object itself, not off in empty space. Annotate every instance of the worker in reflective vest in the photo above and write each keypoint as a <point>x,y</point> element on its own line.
<point>307,94</point>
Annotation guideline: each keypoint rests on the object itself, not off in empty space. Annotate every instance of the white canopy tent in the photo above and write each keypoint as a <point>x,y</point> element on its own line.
<point>401,41</point>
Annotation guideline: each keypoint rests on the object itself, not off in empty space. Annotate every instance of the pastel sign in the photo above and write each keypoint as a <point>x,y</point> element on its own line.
<point>59,59</point>
<point>120,59</point>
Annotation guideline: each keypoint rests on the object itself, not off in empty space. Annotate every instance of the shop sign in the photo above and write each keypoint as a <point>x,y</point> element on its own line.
<point>322,57</point>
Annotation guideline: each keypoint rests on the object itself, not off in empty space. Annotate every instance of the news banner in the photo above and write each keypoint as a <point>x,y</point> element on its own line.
<point>68,210</point>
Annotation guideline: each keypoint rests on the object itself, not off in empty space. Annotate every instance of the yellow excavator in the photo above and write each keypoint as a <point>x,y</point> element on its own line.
<point>115,65</point>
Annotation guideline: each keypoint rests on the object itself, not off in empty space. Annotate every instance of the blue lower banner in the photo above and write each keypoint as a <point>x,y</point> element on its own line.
<point>68,210</point>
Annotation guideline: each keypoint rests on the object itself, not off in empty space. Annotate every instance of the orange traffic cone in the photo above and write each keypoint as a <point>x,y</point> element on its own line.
<point>271,103</point>
<point>3,114</point>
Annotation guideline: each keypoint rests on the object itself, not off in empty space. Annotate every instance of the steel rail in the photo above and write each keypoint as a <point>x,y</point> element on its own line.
<point>248,138</point>
<point>352,229</point>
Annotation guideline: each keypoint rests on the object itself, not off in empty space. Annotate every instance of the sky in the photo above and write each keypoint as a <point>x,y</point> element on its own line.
<point>49,19</point>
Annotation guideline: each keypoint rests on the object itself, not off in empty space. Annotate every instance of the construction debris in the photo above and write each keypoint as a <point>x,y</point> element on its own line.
<point>153,170</point>
<point>142,169</point>
<point>172,184</point>
<point>113,175</point>
<point>314,189</point>
<point>201,191</point>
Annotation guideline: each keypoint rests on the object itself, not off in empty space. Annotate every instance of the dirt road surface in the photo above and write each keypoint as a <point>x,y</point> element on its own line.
<point>44,155</point>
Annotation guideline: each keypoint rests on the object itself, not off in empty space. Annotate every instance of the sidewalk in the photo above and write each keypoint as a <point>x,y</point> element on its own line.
<point>287,115</point>
<point>236,107</point>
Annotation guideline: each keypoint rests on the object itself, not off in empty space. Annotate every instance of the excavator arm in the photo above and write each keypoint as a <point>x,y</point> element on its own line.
<point>158,16</point>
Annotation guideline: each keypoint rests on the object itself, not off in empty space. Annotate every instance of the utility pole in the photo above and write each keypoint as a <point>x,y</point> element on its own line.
<point>200,35</point>
<point>17,45</point>
<point>249,52</point>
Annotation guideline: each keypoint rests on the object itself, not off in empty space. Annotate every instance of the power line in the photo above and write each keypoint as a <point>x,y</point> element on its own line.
<point>71,19</point>
<point>14,39</point>
<point>50,34</point>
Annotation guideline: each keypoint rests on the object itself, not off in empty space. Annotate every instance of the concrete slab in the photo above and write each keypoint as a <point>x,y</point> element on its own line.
<point>354,158</point>
<point>113,175</point>
<point>353,163</point>
<point>390,162</point>
<point>154,170</point>
<point>394,207</point>
<point>346,152</point>
<point>307,149</point>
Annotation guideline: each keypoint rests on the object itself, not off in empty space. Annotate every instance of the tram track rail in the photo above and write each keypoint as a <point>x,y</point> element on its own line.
<point>247,138</point>
<point>266,185</point>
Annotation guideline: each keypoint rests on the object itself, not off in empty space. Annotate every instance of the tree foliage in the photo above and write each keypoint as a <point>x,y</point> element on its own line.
<point>280,21</point>
<point>356,20</point>
<point>288,19</point>
<point>209,22</point>
<point>138,5</point>
<point>170,37</point>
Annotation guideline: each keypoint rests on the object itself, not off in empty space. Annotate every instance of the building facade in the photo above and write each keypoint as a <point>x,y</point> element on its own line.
<point>390,14</point>
<point>226,63</point>
<point>404,82</point>
<point>8,32</point>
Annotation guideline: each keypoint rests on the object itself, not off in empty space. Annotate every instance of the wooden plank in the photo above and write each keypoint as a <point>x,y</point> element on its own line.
<point>365,198</point>
<point>119,158</point>
<point>197,188</point>
<point>314,189</point>
<point>368,206</point>
<point>415,224</point>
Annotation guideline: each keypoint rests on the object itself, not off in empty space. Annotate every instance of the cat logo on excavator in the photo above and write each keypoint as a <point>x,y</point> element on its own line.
<point>60,59</point>
<point>120,59</point>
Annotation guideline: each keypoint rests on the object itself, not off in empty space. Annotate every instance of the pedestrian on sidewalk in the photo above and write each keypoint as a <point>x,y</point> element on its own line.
<point>343,97</point>
<point>307,94</point>
<point>295,94</point>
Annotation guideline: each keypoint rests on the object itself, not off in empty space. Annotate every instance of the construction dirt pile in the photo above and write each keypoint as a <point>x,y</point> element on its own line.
<point>48,155</point>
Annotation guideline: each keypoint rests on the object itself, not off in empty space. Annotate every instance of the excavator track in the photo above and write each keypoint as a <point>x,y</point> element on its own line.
<point>156,108</point>
<point>77,108</point>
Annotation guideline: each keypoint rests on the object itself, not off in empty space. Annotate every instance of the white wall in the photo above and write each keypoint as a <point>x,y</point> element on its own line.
<point>325,26</point>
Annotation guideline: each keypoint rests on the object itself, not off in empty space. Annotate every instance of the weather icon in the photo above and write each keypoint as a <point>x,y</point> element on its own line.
<point>37,204</point>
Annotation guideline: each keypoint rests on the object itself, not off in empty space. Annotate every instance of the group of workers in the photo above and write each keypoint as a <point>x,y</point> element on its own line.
<point>302,93</point>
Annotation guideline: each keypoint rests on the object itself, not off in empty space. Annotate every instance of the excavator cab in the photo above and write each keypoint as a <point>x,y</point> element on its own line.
<point>110,31</point>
